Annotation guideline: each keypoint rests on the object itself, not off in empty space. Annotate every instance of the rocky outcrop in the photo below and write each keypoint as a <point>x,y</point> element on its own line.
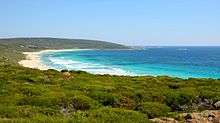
<point>164,120</point>
<point>207,116</point>
<point>200,103</point>
<point>66,75</point>
<point>217,105</point>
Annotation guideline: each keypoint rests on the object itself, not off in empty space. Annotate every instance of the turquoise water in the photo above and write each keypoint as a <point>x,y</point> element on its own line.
<point>184,62</point>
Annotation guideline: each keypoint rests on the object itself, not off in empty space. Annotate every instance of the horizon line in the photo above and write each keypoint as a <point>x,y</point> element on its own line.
<point>110,41</point>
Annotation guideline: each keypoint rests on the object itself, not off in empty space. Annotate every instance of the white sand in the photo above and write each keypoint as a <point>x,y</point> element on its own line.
<point>33,58</point>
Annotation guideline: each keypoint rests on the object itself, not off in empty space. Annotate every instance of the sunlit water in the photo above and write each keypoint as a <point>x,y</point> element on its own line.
<point>184,62</point>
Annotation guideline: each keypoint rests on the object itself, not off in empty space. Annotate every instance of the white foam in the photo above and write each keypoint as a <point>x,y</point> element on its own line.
<point>62,61</point>
<point>88,67</point>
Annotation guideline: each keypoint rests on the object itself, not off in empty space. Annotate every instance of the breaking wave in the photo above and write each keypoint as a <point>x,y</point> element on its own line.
<point>61,63</point>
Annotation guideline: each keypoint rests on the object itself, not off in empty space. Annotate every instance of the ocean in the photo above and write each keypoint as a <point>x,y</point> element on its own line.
<point>182,62</point>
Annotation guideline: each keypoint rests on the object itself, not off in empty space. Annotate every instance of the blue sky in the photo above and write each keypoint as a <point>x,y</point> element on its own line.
<point>131,22</point>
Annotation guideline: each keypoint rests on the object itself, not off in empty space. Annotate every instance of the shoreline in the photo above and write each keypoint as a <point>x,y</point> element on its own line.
<point>33,59</point>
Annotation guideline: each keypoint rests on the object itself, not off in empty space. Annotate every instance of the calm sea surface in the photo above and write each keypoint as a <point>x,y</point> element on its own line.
<point>184,62</point>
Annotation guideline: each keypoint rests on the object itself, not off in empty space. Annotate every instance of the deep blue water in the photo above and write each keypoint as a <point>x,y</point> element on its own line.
<point>184,62</point>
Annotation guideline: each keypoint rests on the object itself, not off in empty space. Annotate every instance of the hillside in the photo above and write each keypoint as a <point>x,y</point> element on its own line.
<point>11,46</point>
<point>30,95</point>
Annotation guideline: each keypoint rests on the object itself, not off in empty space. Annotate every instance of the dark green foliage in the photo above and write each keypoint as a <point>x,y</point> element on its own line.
<point>62,71</point>
<point>102,115</point>
<point>79,102</point>
<point>176,99</point>
<point>114,115</point>
<point>8,111</point>
<point>3,87</point>
<point>107,99</point>
<point>153,109</point>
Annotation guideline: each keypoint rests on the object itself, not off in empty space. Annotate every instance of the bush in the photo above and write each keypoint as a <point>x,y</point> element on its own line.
<point>177,99</point>
<point>32,111</point>
<point>107,99</point>
<point>62,71</point>
<point>3,87</point>
<point>28,90</point>
<point>115,115</point>
<point>37,101</point>
<point>153,109</point>
<point>46,96</point>
<point>79,102</point>
<point>8,111</point>
<point>209,92</point>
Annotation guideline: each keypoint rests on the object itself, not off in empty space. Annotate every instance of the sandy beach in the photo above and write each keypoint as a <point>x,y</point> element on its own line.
<point>33,58</point>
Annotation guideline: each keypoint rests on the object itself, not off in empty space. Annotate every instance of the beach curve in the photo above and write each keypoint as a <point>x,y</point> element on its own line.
<point>33,59</point>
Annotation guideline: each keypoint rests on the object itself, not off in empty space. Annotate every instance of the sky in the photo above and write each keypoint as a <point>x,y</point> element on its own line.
<point>129,22</point>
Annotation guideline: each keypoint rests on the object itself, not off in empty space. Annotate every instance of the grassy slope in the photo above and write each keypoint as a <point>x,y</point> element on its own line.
<point>12,48</point>
<point>28,95</point>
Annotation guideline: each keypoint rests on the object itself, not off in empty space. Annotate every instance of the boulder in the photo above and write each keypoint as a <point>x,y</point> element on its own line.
<point>188,118</point>
<point>204,103</point>
<point>66,75</point>
<point>164,120</point>
<point>217,105</point>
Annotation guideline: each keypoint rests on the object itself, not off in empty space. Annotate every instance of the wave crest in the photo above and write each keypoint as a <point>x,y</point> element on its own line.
<point>61,63</point>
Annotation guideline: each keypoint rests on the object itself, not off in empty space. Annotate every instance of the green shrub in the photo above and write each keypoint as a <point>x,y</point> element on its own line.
<point>8,111</point>
<point>33,111</point>
<point>79,102</point>
<point>210,92</point>
<point>31,95</point>
<point>153,109</point>
<point>28,90</point>
<point>115,115</point>
<point>177,99</point>
<point>107,99</point>
<point>37,101</point>
<point>3,87</point>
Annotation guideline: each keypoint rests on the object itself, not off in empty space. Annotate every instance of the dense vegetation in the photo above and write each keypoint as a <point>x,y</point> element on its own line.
<point>81,97</point>
<point>29,95</point>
